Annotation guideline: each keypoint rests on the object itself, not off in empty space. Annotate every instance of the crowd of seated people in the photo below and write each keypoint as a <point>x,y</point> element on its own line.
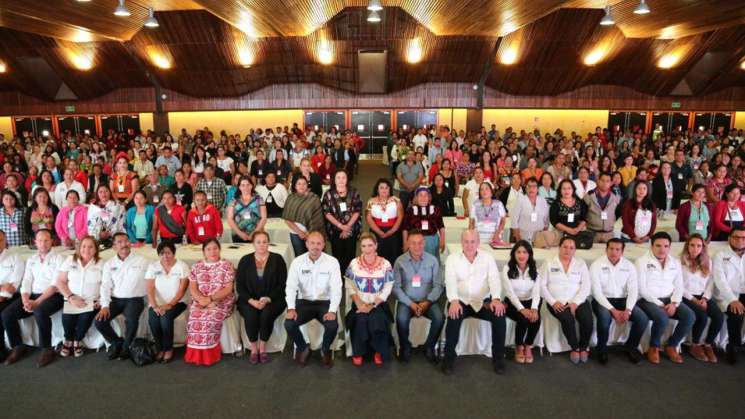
<point>519,190</point>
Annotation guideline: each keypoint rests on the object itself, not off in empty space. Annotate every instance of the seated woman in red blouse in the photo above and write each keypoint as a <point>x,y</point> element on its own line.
<point>169,221</point>
<point>728,213</point>
<point>203,221</point>
<point>424,216</point>
<point>327,170</point>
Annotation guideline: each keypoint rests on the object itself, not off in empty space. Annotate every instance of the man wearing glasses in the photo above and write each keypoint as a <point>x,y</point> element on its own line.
<point>729,282</point>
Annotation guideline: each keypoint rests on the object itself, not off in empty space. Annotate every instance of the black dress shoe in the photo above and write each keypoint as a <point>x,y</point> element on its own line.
<point>404,356</point>
<point>634,356</point>
<point>603,357</point>
<point>431,356</point>
<point>124,355</point>
<point>498,365</point>
<point>731,354</point>
<point>447,367</point>
<point>114,351</point>
<point>46,358</point>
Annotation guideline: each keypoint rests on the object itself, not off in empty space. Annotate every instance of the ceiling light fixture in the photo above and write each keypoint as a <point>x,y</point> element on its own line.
<point>3,67</point>
<point>509,56</point>
<point>742,65</point>
<point>642,8</point>
<point>607,20</point>
<point>121,10</point>
<point>374,17</point>
<point>374,6</point>
<point>325,54</point>
<point>151,21</point>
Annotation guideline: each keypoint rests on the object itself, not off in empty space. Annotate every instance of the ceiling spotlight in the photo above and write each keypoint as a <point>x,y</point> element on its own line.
<point>607,20</point>
<point>121,10</point>
<point>475,87</point>
<point>374,6</point>
<point>642,8</point>
<point>151,21</point>
<point>374,17</point>
<point>742,65</point>
<point>3,67</point>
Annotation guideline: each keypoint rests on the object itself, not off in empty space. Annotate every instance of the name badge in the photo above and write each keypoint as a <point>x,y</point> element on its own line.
<point>670,194</point>
<point>121,188</point>
<point>261,172</point>
<point>603,215</point>
<point>209,197</point>
<point>156,199</point>
<point>425,225</point>
<point>416,281</point>
<point>680,176</point>
<point>447,184</point>
<point>269,199</point>
<point>247,215</point>
<point>200,231</point>
<point>570,217</point>
<point>13,227</point>
<point>700,225</point>
<point>279,173</point>
<point>533,217</point>
<point>328,176</point>
<point>514,158</point>
<point>384,219</point>
<point>343,206</point>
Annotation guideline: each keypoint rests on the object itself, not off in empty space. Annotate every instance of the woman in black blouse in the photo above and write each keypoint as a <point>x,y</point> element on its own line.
<point>342,207</point>
<point>260,283</point>
<point>442,196</point>
<point>568,213</point>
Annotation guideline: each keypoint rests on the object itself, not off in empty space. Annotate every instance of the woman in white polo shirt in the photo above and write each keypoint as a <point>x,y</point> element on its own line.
<point>521,286</point>
<point>79,282</point>
<point>565,286</point>
<point>166,281</point>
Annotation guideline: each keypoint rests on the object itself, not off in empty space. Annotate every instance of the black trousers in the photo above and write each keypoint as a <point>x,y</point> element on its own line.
<point>583,315</point>
<point>498,325</point>
<point>132,309</point>
<point>3,305</point>
<point>525,331</point>
<point>260,323</point>
<point>307,311</point>
<point>162,326</point>
<point>344,250</point>
<point>42,315</point>
<point>76,325</point>
<point>176,241</point>
<point>734,325</point>
<point>370,330</point>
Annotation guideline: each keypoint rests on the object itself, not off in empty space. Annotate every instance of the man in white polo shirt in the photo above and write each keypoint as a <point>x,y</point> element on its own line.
<point>11,274</point>
<point>313,291</point>
<point>729,288</point>
<point>39,298</point>
<point>661,289</point>
<point>122,291</point>
<point>615,290</point>
<point>472,278</point>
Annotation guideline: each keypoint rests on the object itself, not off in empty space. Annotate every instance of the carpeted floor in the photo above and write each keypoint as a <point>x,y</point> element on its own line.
<point>93,387</point>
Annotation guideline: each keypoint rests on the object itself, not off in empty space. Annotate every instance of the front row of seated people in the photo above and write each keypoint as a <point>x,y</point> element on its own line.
<point>694,289</point>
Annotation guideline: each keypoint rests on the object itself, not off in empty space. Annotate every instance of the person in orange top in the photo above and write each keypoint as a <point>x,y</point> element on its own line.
<point>532,170</point>
<point>203,221</point>
<point>169,220</point>
<point>123,182</point>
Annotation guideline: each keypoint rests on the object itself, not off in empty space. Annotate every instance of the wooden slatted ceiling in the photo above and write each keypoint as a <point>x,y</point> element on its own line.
<point>94,20</point>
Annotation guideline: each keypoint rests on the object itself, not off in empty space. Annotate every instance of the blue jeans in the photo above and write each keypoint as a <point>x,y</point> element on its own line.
<point>659,317</point>
<point>403,322</point>
<point>639,322</point>
<point>298,244</point>
<point>162,326</point>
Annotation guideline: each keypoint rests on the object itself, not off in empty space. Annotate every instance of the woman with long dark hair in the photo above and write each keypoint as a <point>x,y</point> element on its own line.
<point>639,215</point>
<point>384,215</point>
<point>521,286</point>
<point>41,215</point>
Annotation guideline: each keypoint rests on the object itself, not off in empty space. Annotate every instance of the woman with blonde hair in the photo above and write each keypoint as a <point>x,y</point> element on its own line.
<point>699,286</point>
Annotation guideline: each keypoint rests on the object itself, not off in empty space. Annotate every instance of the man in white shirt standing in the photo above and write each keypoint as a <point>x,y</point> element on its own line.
<point>39,298</point>
<point>729,288</point>
<point>11,274</point>
<point>472,278</point>
<point>615,290</point>
<point>661,289</point>
<point>122,291</point>
<point>68,183</point>
<point>313,291</point>
<point>419,140</point>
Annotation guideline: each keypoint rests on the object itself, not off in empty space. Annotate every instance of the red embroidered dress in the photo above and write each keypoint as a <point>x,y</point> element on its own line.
<point>205,323</point>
